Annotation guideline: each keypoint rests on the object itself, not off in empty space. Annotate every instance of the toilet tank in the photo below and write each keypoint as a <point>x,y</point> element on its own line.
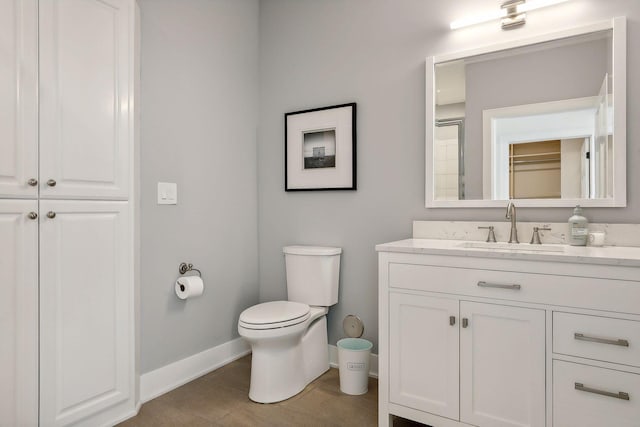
<point>312,274</point>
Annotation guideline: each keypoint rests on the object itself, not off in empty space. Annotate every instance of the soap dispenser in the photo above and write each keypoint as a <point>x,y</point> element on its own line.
<point>578,231</point>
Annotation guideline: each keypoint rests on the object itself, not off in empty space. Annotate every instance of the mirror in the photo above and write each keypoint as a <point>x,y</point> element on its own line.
<point>541,121</point>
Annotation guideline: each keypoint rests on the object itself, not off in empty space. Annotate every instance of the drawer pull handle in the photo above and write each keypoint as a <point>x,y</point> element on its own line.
<point>498,285</point>
<point>619,395</point>
<point>620,342</point>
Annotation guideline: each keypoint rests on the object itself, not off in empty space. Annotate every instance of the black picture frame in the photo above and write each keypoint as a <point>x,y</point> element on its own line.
<point>320,149</point>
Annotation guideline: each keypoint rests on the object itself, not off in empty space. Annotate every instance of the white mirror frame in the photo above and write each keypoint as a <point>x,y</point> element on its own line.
<point>619,27</point>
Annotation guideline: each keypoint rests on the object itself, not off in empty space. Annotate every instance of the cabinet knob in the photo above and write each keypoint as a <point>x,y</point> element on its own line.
<point>51,183</point>
<point>465,322</point>
<point>32,182</point>
<point>32,215</point>
<point>452,320</point>
<point>51,214</point>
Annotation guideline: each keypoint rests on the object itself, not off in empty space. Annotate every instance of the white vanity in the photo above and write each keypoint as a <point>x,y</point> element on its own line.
<point>500,337</point>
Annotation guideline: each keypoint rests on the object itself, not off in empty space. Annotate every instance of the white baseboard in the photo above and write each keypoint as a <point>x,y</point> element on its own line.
<point>373,361</point>
<point>169,377</point>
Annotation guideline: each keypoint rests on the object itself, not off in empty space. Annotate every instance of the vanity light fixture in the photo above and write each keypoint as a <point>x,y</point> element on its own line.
<point>512,13</point>
<point>514,16</point>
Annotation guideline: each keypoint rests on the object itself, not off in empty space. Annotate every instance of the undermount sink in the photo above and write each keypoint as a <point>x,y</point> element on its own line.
<point>514,247</point>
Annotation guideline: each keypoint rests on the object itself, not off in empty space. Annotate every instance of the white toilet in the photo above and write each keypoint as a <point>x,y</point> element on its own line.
<point>289,338</point>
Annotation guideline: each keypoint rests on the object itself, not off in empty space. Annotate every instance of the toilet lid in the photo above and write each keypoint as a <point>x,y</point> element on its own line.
<point>274,314</point>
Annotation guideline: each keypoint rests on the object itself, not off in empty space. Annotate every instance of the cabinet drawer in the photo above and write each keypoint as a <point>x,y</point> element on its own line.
<point>599,338</point>
<point>587,396</point>
<point>569,291</point>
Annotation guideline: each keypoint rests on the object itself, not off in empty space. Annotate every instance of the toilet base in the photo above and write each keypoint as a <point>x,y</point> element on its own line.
<point>283,367</point>
<point>315,350</point>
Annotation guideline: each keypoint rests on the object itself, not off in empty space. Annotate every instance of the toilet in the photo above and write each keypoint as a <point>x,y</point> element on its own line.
<point>289,338</point>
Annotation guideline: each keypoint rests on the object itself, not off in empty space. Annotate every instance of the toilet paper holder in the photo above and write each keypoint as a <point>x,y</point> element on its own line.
<point>187,267</point>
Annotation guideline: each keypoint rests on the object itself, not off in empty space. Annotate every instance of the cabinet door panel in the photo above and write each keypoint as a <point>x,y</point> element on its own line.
<point>423,355</point>
<point>85,309</point>
<point>18,98</point>
<point>502,365</point>
<point>18,313</point>
<point>84,98</point>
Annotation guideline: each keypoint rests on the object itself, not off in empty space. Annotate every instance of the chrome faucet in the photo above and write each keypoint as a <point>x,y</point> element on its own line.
<point>511,214</point>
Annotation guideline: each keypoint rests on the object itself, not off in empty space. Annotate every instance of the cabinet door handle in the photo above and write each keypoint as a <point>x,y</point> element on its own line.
<point>499,285</point>
<point>619,395</point>
<point>51,183</point>
<point>452,320</point>
<point>620,342</point>
<point>465,322</point>
<point>51,214</point>
<point>32,215</point>
<point>32,182</point>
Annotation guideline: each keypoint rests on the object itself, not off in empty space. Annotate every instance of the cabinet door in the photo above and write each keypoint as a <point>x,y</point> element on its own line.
<point>86,324</point>
<point>423,354</point>
<point>18,98</point>
<point>502,365</point>
<point>85,69</point>
<point>18,313</point>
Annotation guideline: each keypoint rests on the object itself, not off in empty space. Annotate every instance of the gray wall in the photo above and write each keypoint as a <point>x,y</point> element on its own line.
<point>316,53</point>
<point>202,71</point>
<point>199,84</point>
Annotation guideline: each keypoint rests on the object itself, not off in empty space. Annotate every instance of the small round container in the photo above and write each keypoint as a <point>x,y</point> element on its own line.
<point>353,362</point>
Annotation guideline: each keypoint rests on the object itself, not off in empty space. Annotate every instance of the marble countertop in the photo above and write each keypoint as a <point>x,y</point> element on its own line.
<point>605,255</point>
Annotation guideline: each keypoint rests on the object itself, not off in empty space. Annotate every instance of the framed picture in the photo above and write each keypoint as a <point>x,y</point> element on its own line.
<point>320,149</point>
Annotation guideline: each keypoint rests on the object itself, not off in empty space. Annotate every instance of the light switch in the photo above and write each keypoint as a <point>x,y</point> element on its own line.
<point>167,193</point>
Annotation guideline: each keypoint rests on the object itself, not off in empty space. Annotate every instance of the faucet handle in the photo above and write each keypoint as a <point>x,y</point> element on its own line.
<point>535,237</point>
<point>491,237</point>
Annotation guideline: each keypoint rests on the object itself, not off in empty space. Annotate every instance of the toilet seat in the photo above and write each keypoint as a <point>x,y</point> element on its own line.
<point>274,314</point>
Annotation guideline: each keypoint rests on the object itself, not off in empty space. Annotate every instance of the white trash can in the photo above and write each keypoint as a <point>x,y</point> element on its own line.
<point>353,362</point>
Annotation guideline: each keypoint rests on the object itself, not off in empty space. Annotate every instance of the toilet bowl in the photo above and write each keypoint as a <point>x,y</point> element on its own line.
<point>288,353</point>
<point>288,339</point>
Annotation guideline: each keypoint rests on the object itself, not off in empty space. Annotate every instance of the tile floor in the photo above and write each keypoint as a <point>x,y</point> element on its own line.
<point>220,398</point>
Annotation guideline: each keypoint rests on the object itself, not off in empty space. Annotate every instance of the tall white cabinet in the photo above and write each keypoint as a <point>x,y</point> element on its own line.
<point>66,207</point>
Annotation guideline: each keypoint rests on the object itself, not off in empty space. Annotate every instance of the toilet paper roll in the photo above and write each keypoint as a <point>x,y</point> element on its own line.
<point>189,287</point>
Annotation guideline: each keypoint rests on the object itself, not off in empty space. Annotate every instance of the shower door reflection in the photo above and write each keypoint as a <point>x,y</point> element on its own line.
<point>449,155</point>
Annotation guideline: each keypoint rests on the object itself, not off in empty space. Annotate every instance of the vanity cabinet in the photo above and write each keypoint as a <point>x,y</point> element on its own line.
<point>470,338</point>
<point>477,362</point>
